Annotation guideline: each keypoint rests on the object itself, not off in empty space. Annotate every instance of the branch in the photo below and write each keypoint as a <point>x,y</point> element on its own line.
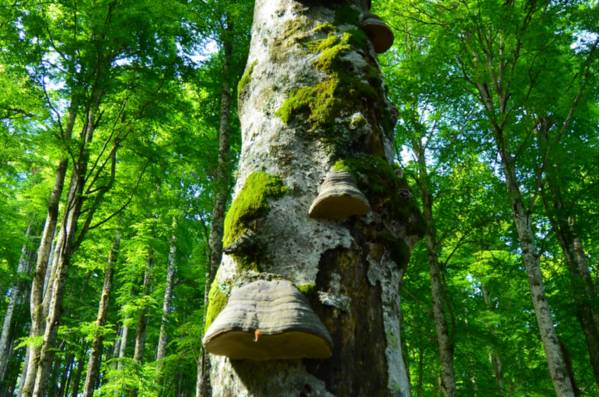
<point>126,203</point>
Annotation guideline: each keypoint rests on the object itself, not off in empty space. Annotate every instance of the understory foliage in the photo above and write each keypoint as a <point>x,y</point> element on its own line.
<point>151,73</point>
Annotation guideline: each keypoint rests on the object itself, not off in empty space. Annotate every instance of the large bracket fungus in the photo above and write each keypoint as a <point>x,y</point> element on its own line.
<point>268,320</point>
<point>379,33</point>
<point>339,198</point>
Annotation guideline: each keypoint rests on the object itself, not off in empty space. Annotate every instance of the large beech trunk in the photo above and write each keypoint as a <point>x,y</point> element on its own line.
<point>95,354</point>
<point>554,357</point>
<point>438,290</point>
<point>353,267</point>
<point>222,184</point>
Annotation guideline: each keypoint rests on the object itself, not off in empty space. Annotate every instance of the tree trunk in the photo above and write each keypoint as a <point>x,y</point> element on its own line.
<point>65,375</point>
<point>37,284</point>
<point>554,357</point>
<point>438,290</point>
<point>293,133</point>
<point>222,189</point>
<point>142,321</point>
<point>77,380</point>
<point>18,292</point>
<point>94,360</point>
<point>582,286</point>
<point>494,356</point>
<point>166,309</point>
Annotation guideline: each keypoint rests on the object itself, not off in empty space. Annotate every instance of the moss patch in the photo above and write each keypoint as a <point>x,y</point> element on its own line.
<point>307,289</point>
<point>341,92</point>
<point>251,203</point>
<point>346,15</point>
<point>217,299</point>
<point>245,79</point>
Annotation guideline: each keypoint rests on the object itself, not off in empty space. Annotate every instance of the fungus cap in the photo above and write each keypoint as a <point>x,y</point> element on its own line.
<point>379,33</point>
<point>277,316</point>
<point>339,198</point>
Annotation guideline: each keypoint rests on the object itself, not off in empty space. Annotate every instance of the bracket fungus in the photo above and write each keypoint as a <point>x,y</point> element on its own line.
<point>268,320</point>
<point>379,33</point>
<point>339,198</point>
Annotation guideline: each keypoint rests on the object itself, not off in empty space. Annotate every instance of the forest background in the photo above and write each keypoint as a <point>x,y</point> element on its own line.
<point>118,147</point>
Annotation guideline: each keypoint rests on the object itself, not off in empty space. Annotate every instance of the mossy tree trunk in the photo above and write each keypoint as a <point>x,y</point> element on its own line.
<point>312,97</point>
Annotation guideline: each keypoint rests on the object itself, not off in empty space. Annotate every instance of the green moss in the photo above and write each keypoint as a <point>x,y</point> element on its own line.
<point>307,289</point>
<point>340,166</point>
<point>383,185</point>
<point>251,203</point>
<point>320,101</point>
<point>217,299</point>
<point>340,91</point>
<point>245,79</point>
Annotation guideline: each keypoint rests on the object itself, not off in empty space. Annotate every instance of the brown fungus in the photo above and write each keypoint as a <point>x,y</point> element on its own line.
<point>379,33</point>
<point>268,320</point>
<point>339,198</point>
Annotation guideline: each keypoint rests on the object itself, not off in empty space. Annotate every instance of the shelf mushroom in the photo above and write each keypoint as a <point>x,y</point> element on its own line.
<point>268,320</point>
<point>338,198</point>
<point>379,33</point>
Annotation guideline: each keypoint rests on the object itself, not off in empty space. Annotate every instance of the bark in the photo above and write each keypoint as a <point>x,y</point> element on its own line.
<point>350,264</point>
<point>167,298</point>
<point>438,290</point>
<point>18,292</point>
<point>221,194</point>
<point>96,352</point>
<point>554,356</point>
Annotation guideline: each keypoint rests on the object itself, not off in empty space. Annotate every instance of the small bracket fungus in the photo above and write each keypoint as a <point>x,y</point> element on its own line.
<point>379,33</point>
<point>268,320</point>
<point>339,198</point>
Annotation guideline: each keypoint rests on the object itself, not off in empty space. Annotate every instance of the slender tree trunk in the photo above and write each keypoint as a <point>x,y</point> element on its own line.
<point>494,356</point>
<point>222,193</point>
<point>123,343</point>
<point>351,264</point>
<point>18,292</point>
<point>37,284</point>
<point>78,373</point>
<point>438,293</point>
<point>582,286</point>
<point>554,357</point>
<point>65,374</point>
<point>166,309</point>
<point>96,352</point>
<point>142,321</point>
